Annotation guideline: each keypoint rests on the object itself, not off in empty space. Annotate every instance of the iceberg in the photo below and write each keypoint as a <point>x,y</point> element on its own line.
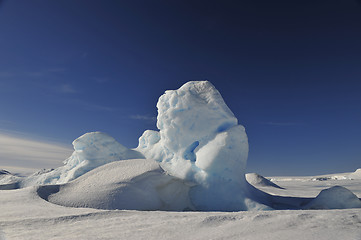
<point>200,149</point>
<point>195,161</point>
<point>200,141</point>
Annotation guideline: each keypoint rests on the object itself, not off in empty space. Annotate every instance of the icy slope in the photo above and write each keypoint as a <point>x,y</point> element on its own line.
<point>258,180</point>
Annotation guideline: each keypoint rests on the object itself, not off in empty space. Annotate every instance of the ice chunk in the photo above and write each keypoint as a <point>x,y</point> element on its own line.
<point>188,119</point>
<point>200,141</point>
<point>336,197</point>
<point>91,150</point>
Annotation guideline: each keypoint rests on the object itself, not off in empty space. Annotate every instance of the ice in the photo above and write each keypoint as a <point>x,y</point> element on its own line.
<point>200,141</point>
<point>91,150</point>
<point>336,197</point>
<point>188,119</point>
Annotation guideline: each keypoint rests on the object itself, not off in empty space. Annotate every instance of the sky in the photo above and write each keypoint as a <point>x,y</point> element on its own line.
<point>289,70</point>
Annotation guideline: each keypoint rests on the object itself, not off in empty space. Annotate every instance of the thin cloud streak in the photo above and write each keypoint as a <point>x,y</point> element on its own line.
<point>19,152</point>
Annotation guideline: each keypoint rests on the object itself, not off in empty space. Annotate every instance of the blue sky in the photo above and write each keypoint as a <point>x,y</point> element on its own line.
<point>289,70</point>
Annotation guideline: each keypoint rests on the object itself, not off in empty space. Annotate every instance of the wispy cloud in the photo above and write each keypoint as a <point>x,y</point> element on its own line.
<point>67,88</point>
<point>143,117</point>
<point>26,153</point>
<point>283,123</point>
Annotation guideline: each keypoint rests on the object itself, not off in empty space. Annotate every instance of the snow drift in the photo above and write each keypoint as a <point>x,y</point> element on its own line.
<point>138,184</point>
<point>336,197</point>
<point>258,180</point>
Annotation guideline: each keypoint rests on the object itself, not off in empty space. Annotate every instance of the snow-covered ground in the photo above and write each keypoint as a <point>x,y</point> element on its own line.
<point>25,215</point>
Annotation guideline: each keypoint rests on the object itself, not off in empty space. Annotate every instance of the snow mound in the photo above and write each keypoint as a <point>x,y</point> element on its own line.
<point>8,180</point>
<point>91,150</point>
<point>137,184</point>
<point>336,197</point>
<point>258,180</point>
<point>356,174</point>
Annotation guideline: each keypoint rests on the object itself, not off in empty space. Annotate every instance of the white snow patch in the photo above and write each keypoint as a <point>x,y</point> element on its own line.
<point>336,197</point>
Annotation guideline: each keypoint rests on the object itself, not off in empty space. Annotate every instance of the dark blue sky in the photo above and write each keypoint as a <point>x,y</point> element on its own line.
<point>289,70</point>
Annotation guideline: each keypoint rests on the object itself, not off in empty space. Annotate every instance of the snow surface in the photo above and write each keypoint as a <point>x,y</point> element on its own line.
<point>25,215</point>
<point>138,184</point>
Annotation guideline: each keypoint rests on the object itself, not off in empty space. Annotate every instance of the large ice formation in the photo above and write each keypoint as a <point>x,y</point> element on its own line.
<point>200,140</point>
<point>196,161</point>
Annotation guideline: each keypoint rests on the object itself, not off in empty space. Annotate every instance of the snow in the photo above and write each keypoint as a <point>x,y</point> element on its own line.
<point>24,215</point>
<point>258,180</point>
<point>336,197</point>
<point>356,174</point>
<point>137,184</point>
